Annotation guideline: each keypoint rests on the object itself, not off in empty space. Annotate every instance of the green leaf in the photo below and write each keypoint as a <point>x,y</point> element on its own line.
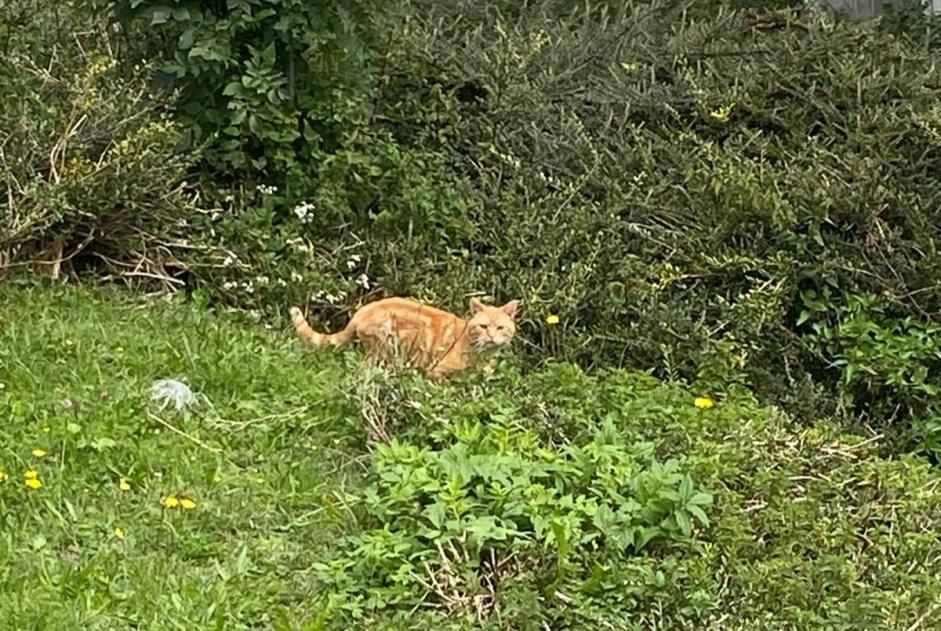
<point>645,534</point>
<point>561,540</point>
<point>698,513</point>
<point>160,14</point>
<point>682,520</point>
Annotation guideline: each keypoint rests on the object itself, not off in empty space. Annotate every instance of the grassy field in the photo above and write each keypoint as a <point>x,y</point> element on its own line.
<point>549,499</point>
<point>85,550</point>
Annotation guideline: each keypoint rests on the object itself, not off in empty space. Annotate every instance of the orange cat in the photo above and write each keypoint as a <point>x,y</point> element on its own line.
<point>434,340</point>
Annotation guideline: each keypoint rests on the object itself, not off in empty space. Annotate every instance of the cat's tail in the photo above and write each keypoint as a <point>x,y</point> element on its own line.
<point>319,339</point>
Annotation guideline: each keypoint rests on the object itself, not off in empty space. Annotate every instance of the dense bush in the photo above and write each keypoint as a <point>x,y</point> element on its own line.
<point>692,181</point>
<point>523,502</point>
<point>265,90</point>
<point>89,164</point>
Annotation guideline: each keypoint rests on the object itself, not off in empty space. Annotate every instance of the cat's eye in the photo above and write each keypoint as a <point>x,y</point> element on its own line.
<point>501,328</point>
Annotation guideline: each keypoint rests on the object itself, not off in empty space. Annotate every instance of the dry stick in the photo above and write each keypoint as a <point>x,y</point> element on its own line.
<point>924,617</point>
<point>183,434</point>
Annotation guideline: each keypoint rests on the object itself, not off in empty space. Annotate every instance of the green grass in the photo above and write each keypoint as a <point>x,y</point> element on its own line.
<point>273,439</point>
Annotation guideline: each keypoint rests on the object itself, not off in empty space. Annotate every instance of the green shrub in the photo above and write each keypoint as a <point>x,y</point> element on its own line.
<point>671,194</point>
<point>265,90</point>
<point>452,524</point>
<point>519,502</point>
<point>882,361</point>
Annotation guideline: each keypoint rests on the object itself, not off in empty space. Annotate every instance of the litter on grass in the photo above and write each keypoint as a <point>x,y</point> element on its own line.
<point>166,392</point>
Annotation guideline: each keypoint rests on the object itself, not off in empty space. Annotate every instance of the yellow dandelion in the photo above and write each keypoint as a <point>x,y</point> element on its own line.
<point>32,474</point>
<point>124,485</point>
<point>217,478</point>
<point>187,504</point>
<point>33,483</point>
<point>119,533</point>
<point>3,475</point>
<point>69,342</point>
<point>39,453</point>
<point>703,403</point>
<point>120,349</point>
<point>170,501</point>
<point>552,319</point>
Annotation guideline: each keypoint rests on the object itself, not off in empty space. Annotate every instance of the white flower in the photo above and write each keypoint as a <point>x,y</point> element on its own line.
<point>363,281</point>
<point>267,190</point>
<point>262,280</point>
<point>281,282</point>
<point>319,295</point>
<point>228,260</point>
<point>295,277</point>
<point>303,211</point>
<point>229,284</point>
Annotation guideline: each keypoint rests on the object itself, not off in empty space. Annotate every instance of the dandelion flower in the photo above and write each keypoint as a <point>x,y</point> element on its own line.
<point>703,403</point>
<point>170,501</point>
<point>124,485</point>
<point>39,453</point>
<point>187,504</point>
<point>119,533</point>
<point>552,319</point>
<point>120,349</point>
<point>32,474</point>
<point>3,475</point>
<point>33,483</point>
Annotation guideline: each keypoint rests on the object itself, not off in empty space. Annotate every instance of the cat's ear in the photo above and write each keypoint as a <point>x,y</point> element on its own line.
<point>476,306</point>
<point>511,308</point>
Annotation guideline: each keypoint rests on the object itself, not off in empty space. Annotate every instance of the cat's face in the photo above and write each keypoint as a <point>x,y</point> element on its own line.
<point>492,326</point>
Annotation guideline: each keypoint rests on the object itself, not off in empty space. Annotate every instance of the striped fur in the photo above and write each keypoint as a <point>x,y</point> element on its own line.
<point>433,340</point>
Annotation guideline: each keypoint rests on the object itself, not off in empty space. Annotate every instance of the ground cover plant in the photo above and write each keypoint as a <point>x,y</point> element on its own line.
<point>516,501</point>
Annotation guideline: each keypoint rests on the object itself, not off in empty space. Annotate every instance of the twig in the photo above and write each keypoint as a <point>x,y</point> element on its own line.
<point>183,434</point>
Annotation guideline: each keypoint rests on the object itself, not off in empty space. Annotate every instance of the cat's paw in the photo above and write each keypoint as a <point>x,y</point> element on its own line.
<point>296,315</point>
